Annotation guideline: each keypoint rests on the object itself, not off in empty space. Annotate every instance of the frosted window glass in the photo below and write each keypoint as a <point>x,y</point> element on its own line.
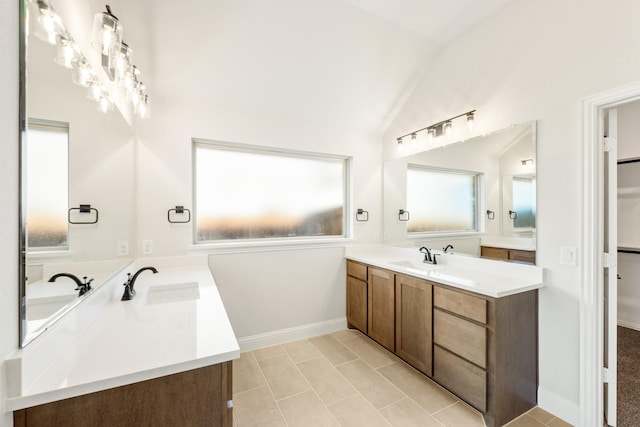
<point>440,200</point>
<point>524,202</point>
<point>254,194</point>
<point>47,185</point>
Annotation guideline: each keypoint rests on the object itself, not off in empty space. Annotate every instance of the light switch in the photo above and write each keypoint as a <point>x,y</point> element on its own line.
<point>569,255</point>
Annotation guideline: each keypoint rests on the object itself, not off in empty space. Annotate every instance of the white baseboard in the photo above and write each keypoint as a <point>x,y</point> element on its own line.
<point>282,336</point>
<point>559,406</point>
<point>629,325</point>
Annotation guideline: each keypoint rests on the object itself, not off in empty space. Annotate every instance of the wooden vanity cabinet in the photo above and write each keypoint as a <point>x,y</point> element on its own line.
<point>483,349</point>
<point>381,307</point>
<point>414,328</point>
<point>192,398</point>
<point>514,255</point>
<point>357,296</point>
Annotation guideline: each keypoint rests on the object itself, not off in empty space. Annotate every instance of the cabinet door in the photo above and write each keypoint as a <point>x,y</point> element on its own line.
<point>381,298</point>
<point>357,304</point>
<point>413,322</point>
<point>495,253</point>
<point>522,256</point>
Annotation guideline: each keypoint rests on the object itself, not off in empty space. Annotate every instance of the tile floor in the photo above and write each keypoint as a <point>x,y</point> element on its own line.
<point>345,379</point>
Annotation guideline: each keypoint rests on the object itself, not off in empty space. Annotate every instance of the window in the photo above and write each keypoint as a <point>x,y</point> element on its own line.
<point>524,202</point>
<point>47,184</point>
<point>244,192</point>
<point>441,200</point>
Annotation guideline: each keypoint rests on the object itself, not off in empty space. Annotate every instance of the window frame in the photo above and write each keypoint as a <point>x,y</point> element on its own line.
<point>479,205</point>
<point>347,226</point>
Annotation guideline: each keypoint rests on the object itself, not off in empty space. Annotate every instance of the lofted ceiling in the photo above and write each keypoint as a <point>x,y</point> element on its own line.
<point>345,62</point>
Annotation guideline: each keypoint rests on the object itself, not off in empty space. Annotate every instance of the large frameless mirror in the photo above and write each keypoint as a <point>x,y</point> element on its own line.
<point>481,191</point>
<point>77,167</point>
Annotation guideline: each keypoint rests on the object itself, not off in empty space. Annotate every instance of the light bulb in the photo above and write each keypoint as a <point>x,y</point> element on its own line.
<point>470,121</point>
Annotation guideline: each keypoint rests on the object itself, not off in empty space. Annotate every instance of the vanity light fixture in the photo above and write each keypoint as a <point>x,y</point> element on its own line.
<point>115,56</point>
<point>444,127</point>
<point>107,35</point>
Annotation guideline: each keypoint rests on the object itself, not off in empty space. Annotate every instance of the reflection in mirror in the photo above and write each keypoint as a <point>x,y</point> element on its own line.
<point>495,201</point>
<point>72,155</point>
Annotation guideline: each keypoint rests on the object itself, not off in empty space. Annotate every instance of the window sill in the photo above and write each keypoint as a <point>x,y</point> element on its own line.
<point>269,245</point>
<point>49,256</point>
<point>463,234</point>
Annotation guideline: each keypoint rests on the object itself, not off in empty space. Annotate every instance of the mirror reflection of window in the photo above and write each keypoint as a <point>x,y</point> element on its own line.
<point>524,198</point>
<point>441,200</point>
<point>47,154</point>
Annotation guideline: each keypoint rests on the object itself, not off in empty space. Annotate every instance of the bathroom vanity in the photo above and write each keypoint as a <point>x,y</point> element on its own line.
<point>469,324</point>
<point>162,358</point>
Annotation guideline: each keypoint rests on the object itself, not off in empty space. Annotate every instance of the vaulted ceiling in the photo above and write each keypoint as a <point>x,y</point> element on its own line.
<point>347,62</point>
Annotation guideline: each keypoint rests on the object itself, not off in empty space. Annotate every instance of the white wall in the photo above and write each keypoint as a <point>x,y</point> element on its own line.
<point>9,179</point>
<point>319,77</point>
<point>536,61</point>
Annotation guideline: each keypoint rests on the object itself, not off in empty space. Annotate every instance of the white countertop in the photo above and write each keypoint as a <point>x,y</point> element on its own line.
<point>483,276</point>
<point>136,340</point>
<point>519,243</point>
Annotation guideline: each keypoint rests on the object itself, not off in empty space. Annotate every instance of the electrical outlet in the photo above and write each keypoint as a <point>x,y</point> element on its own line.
<point>147,247</point>
<point>122,248</point>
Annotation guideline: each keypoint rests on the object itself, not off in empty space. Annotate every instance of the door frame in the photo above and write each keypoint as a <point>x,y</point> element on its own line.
<point>591,296</point>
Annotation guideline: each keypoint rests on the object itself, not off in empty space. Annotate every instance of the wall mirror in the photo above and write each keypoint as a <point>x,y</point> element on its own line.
<point>497,207</point>
<point>77,167</point>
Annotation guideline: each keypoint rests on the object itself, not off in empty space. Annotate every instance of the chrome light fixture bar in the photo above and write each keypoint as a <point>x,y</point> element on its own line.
<point>444,127</point>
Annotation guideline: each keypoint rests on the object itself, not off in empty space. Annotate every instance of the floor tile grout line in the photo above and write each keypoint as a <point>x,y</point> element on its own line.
<point>311,388</point>
<point>270,390</point>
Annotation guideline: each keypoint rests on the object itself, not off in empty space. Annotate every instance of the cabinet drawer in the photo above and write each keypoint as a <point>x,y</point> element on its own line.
<point>461,377</point>
<point>357,270</point>
<point>495,253</point>
<point>471,307</point>
<point>460,336</point>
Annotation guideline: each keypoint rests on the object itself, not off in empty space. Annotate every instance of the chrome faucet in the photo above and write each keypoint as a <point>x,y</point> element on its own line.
<point>429,258</point>
<point>446,248</point>
<point>83,286</point>
<point>129,291</point>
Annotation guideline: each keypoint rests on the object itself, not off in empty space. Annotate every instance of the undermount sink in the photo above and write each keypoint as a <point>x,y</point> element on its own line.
<point>44,307</point>
<point>413,265</point>
<point>162,294</point>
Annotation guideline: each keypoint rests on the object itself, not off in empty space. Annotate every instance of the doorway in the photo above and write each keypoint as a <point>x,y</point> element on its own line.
<point>599,308</point>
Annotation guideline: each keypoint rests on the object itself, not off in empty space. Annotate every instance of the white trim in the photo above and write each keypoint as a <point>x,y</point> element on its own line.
<point>559,406</point>
<point>282,336</point>
<point>591,297</point>
<point>629,325</point>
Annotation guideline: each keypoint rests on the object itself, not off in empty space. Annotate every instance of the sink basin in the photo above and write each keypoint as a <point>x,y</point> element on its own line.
<point>413,265</point>
<point>162,294</point>
<point>44,307</point>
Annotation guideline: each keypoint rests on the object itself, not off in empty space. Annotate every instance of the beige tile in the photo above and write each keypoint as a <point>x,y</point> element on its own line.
<point>283,377</point>
<point>300,351</point>
<point>407,413</point>
<point>268,352</point>
<point>246,373</point>
<point>525,421</point>
<point>458,415</point>
<point>557,422</point>
<point>540,414</point>
<point>372,353</point>
<point>418,387</point>
<point>346,334</point>
<point>356,411</point>
<point>257,408</point>
<point>330,385</point>
<point>373,386</point>
<point>306,410</point>
<point>332,349</point>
